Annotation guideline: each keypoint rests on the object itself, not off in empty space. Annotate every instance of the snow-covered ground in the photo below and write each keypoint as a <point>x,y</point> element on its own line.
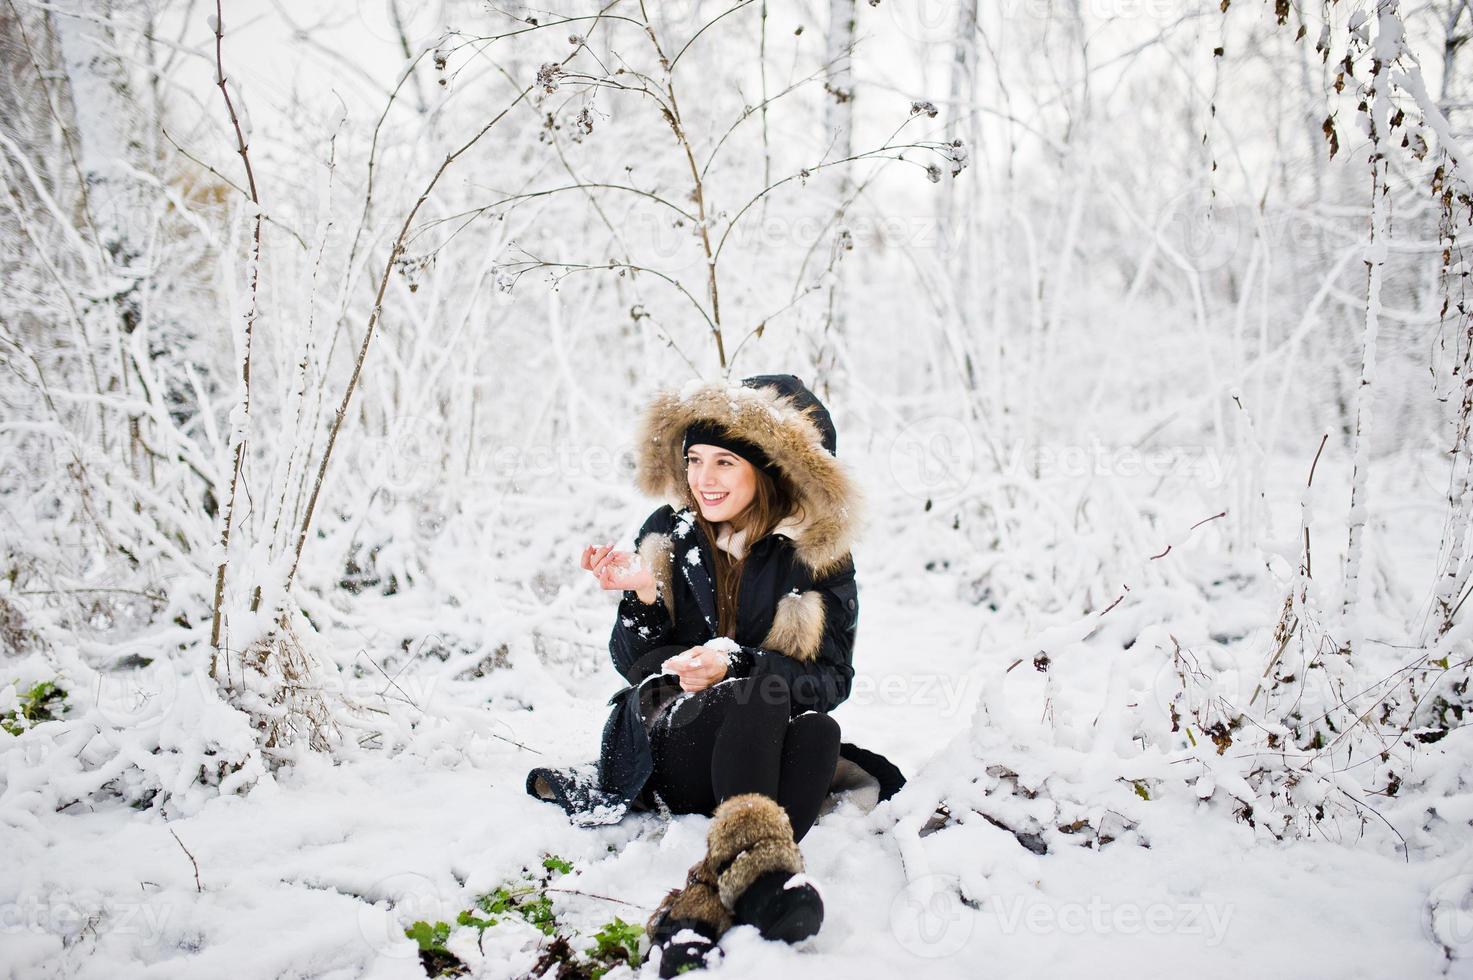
<point>1063,223</point>
<point>317,871</point>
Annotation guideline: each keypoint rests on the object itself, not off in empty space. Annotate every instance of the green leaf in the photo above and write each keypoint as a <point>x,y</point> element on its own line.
<point>617,942</point>
<point>431,938</point>
<point>467,919</point>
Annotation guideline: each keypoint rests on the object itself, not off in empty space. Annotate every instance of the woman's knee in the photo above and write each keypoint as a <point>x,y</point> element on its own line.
<point>765,693</point>
<point>816,729</point>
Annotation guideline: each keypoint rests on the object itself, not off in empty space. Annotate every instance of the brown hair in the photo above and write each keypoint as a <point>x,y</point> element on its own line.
<point>772,501</point>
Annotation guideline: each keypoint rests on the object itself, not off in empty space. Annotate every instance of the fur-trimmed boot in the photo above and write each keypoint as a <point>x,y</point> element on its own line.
<point>689,922</point>
<point>758,869</point>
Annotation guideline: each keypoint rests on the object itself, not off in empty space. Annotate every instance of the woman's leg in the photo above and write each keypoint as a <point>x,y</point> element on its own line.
<point>736,737</point>
<point>747,756</point>
<point>682,743</point>
<point>760,750</point>
<point>810,754</point>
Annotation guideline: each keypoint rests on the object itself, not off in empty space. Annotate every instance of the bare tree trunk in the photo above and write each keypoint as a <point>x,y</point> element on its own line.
<point>958,211</point>
<point>1453,578</point>
<point>1375,263</point>
<point>839,124</point>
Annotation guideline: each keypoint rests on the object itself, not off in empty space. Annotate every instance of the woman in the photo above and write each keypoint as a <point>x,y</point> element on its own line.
<point>735,630</point>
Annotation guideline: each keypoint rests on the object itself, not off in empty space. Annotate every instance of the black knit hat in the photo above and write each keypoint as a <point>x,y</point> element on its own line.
<point>712,433</point>
<point>708,433</point>
<point>793,434</point>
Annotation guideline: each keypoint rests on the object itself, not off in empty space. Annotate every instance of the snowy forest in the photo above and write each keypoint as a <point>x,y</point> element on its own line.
<point>325,330</point>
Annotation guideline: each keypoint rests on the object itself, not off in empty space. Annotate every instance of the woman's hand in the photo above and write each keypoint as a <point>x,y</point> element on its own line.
<point>619,570</point>
<point>698,668</point>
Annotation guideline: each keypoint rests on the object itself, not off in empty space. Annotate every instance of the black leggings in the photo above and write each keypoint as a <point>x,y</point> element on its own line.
<point>739,736</point>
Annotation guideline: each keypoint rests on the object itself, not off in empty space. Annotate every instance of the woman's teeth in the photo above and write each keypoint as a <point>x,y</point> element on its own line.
<point>713,498</point>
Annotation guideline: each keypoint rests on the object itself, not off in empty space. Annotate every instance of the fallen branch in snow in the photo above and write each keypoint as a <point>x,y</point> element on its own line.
<point>605,898</point>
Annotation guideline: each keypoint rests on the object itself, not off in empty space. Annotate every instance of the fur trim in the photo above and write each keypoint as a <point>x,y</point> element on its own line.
<point>753,863</point>
<point>797,625</point>
<point>750,835</point>
<point>656,550</point>
<point>697,905</point>
<point>827,495</point>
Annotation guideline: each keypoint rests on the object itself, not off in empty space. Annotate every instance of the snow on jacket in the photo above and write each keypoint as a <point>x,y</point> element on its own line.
<point>797,607</point>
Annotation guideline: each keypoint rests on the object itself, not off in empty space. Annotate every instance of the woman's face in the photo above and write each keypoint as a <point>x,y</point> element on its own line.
<point>721,481</point>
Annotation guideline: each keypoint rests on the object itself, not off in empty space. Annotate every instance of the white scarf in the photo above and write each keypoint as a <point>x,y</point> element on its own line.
<point>734,543</point>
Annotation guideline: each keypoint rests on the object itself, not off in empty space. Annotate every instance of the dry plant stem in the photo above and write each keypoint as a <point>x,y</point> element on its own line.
<point>1288,623</point>
<point>378,305</point>
<point>1308,569</point>
<point>199,888</point>
<point>698,185</point>
<point>245,363</point>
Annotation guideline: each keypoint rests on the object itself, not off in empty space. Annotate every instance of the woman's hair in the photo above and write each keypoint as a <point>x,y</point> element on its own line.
<point>772,501</point>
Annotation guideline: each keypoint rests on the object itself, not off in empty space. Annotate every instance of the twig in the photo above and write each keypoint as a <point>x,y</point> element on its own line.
<point>605,898</point>
<point>378,304</point>
<point>245,364</point>
<point>1116,602</point>
<point>197,886</point>
<point>1309,483</point>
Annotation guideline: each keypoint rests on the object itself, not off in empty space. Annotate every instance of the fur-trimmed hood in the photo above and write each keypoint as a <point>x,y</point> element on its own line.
<point>787,422</point>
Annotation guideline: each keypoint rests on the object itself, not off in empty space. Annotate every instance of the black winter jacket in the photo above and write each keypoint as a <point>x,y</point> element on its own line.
<point>797,602</point>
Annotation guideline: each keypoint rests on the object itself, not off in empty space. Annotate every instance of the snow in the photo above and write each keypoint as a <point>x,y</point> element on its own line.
<point>1135,743</point>
<point>798,881</point>
<point>362,848</point>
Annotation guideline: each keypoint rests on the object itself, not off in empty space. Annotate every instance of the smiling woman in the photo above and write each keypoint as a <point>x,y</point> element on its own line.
<point>723,482</point>
<point>736,634</point>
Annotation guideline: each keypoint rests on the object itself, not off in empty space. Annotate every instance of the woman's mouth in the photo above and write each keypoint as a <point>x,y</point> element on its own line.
<point>712,498</point>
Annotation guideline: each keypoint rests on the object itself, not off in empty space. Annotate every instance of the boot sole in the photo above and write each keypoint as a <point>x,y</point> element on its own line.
<point>795,924</point>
